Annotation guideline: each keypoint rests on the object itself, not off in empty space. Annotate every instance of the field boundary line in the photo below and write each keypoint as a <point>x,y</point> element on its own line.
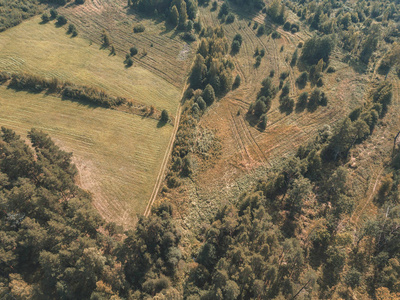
<point>160,176</point>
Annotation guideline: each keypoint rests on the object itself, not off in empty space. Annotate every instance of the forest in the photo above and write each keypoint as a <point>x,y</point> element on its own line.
<point>294,232</point>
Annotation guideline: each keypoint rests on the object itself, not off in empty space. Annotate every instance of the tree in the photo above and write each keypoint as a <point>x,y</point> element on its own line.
<point>191,9</point>
<point>164,116</point>
<point>133,51</point>
<point>174,16</point>
<point>79,2</point>
<point>182,14</point>
<point>237,81</point>
<point>259,108</point>
<point>317,48</point>
<point>198,72</point>
<point>235,47</point>
<point>53,13</point>
<point>202,104</point>
<point>263,122</point>
<point>61,20</point>
<point>45,18</point>
<point>208,95</point>
<point>302,100</point>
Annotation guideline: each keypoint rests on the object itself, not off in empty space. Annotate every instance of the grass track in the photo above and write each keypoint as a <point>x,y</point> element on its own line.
<point>118,154</point>
<point>46,50</point>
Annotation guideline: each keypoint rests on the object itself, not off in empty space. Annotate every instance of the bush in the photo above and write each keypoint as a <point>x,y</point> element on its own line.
<point>258,61</point>
<point>61,20</point>
<point>284,75</point>
<point>272,73</point>
<point>79,1</point>
<point>138,28</point>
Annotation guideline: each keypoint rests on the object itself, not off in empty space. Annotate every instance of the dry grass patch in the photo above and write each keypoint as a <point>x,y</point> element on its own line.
<point>118,154</point>
<point>46,50</point>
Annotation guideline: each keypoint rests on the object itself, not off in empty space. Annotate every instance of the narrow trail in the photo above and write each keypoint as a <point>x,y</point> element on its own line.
<point>161,173</point>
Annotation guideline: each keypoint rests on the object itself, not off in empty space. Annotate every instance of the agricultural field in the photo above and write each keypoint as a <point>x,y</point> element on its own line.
<point>49,52</point>
<point>167,55</point>
<point>118,155</point>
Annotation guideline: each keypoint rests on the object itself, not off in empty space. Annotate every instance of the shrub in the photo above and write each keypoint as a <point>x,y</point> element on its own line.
<point>272,73</point>
<point>79,2</point>
<point>258,61</point>
<point>262,52</point>
<point>138,28</point>
<point>284,75</point>
<point>61,20</point>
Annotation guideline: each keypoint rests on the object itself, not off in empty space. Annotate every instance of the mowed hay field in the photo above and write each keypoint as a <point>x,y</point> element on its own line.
<point>46,50</point>
<point>168,56</point>
<point>118,154</point>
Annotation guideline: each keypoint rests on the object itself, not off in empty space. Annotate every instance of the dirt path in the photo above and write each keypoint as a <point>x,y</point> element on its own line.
<point>160,176</point>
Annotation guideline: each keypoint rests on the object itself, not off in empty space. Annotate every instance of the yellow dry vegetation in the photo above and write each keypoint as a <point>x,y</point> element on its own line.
<point>46,50</point>
<point>118,154</point>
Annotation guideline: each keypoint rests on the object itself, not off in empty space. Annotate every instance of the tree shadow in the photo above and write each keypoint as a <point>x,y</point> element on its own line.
<point>85,103</point>
<point>161,123</point>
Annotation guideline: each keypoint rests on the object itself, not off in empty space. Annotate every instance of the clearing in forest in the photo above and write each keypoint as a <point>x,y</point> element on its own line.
<point>118,154</point>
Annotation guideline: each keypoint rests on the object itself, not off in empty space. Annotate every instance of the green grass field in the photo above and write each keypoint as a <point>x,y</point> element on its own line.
<point>118,154</point>
<point>46,50</point>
